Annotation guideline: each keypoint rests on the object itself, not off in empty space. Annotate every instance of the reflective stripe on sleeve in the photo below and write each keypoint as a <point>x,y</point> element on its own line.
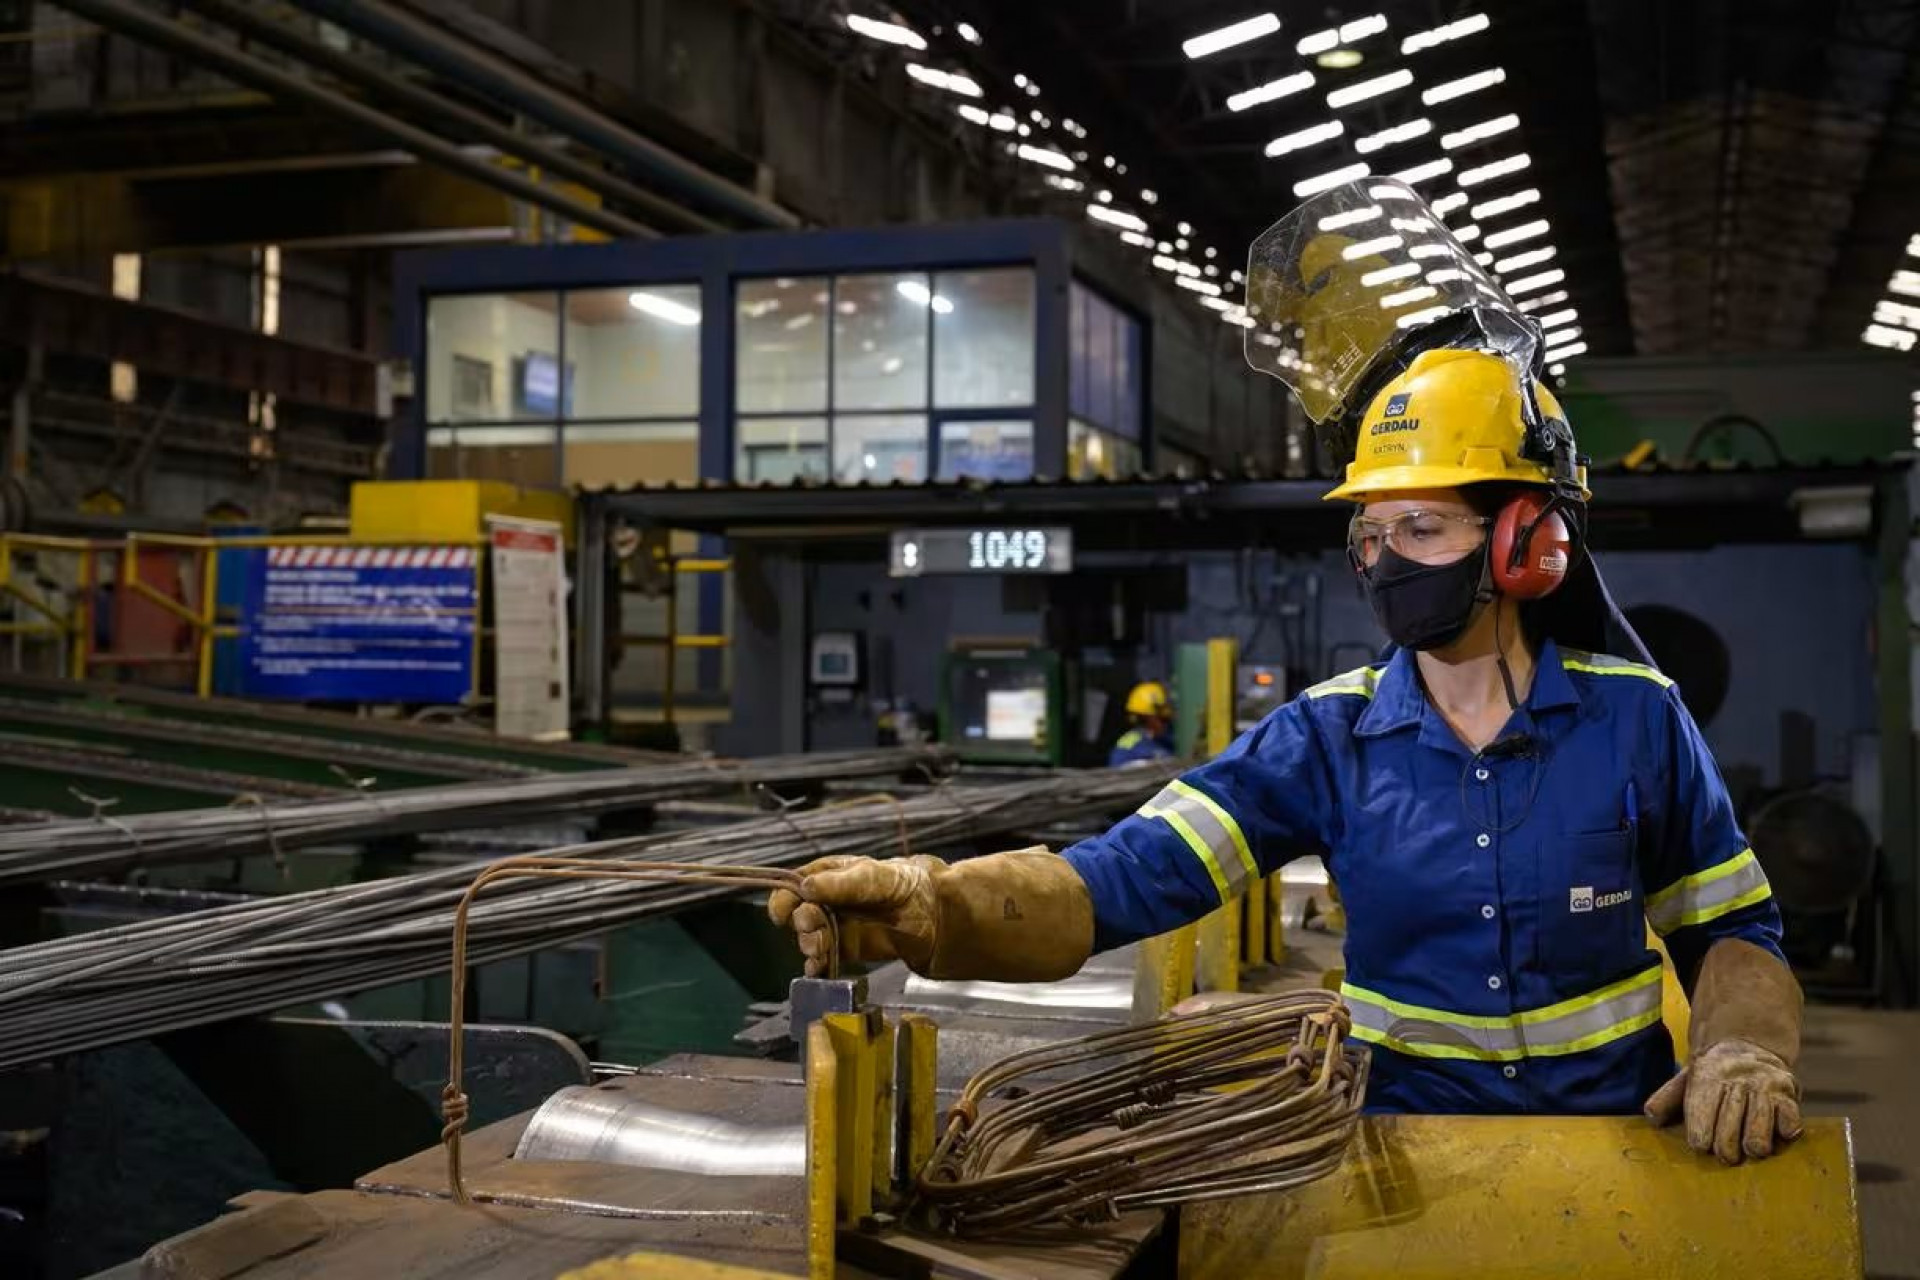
<point>1361,681</point>
<point>1600,664</point>
<point>1210,831</point>
<point>1572,1026</point>
<point>1707,895</point>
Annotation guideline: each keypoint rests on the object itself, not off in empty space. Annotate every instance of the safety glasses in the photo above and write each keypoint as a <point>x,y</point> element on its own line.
<point>1428,537</point>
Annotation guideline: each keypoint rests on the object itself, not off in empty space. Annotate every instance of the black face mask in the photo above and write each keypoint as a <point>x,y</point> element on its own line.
<point>1424,606</point>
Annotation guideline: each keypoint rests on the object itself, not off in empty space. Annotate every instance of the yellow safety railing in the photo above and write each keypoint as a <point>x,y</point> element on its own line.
<point>670,640</point>
<point>74,624</point>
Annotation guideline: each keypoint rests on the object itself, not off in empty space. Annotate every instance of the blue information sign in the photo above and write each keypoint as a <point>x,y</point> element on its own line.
<point>360,624</point>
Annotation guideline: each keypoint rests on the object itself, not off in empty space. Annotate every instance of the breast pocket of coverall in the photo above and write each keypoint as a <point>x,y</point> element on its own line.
<point>1592,921</point>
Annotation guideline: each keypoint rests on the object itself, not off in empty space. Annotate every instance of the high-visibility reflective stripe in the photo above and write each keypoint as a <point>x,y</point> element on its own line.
<point>1707,895</point>
<point>1210,831</point>
<point>1360,681</point>
<point>1572,1026</point>
<point>1600,664</point>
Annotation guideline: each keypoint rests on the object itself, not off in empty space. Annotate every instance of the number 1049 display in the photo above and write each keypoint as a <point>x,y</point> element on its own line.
<point>1009,549</point>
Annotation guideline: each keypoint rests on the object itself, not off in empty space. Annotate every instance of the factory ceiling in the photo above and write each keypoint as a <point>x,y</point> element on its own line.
<point>1712,176</point>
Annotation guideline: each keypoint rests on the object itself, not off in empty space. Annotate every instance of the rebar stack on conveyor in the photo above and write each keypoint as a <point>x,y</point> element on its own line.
<point>82,848</point>
<point>138,980</point>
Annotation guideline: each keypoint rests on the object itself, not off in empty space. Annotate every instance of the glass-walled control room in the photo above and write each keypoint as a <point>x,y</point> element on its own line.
<point>978,352</point>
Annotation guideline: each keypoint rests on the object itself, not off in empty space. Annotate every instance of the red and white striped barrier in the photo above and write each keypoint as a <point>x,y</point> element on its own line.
<point>350,557</point>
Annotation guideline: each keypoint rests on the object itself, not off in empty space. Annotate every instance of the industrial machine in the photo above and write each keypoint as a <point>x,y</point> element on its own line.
<point>1005,704</point>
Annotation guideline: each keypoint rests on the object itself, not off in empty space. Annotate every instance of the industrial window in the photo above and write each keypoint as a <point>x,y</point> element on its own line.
<point>1104,396</point>
<point>596,387</point>
<point>874,377</point>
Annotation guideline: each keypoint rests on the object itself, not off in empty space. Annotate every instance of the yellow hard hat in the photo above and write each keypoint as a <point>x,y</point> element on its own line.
<point>1149,699</point>
<point>1453,418</point>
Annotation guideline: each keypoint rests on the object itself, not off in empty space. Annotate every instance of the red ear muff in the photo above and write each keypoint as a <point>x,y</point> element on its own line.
<point>1532,547</point>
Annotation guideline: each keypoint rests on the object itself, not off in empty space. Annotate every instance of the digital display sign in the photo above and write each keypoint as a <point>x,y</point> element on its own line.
<point>962,550</point>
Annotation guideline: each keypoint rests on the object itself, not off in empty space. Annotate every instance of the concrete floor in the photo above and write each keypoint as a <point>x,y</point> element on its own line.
<point>1865,1064</point>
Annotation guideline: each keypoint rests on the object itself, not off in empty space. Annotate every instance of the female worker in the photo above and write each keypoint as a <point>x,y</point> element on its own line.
<point>1504,816</point>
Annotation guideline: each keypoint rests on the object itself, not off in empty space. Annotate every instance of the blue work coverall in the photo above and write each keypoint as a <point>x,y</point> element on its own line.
<point>1497,903</point>
<point>1138,744</point>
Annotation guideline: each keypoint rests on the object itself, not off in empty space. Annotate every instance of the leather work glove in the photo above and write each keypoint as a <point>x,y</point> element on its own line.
<point>1738,1092</point>
<point>1024,916</point>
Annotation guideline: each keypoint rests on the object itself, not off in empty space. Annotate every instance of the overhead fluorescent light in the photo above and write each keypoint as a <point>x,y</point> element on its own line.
<point>1414,319</point>
<point>1444,274</point>
<point>1241,32</point>
<point>1441,35</point>
<point>1340,59</point>
<point>1463,86</point>
<point>1557,370</point>
<point>1467,233</point>
<point>1498,169</point>
<point>1415,224</point>
<point>1271,91</point>
<point>1175,265</point>
<point>1327,181</point>
<point>951,81</point>
<point>1393,193</point>
<point>885,32</point>
<point>1367,248</point>
<point>1544,300</point>
<point>1484,259</point>
<point>1305,138</point>
<point>1521,261</point>
<point>1527,284</point>
<point>1554,337</point>
<point>1198,286</point>
<point>1135,238</point>
<point>1565,316</point>
<point>1514,235</point>
<point>999,120</point>
<point>1448,203</point>
<point>1913,247</point>
<point>663,308</point>
<point>1419,293</point>
<point>967,32</point>
<point>1346,33</point>
<point>1905,282</point>
<point>1479,132</point>
<point>1116,217</point>
<point>1347,95</point>
<point>1567,352</point>
<point>1423,172</point>
<point>1040,155</point>
<point>1892,339</point>
<point>1505,204</point>
<point>1351,218</point>
<point>1219,304</point>
<point>1430,251</point>
<point>1889,312</point>
<point>1387,137</point>
<point>1059,183</point>
<point>1387,275</point>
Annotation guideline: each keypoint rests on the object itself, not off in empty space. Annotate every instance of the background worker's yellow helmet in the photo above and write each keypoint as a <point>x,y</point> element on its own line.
<point>1150,699</point>
<point>1452,418</point>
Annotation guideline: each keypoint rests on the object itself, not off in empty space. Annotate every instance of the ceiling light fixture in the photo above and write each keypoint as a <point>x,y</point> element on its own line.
<point>1348,95</point>
<point>1419,293</point>
<point>1521,261</point>
<point>1448,203</point>
<point>1514,235</point>
<point>1422,172</point>
<point>1505,204</point>
<point>1271,90</point>
<point>1307,137</point>
<point>1527,284</point>
<point>1441,35</point>
<point>1906,283</point>
<point>1479,132</point>
<point>951,81</point>
<point>999,120</point>
<point>967,32</point>
<point>663,308</point>
<point>1227,37</point>
<point>1565,316</point>
<point>1339,59</point>
<point>1467,233</point>
<point>1387,137</point>
<point>1387,275</point>
<point>1465,85</point>
<point>1116,217</point>
<point>1134,237</point>
<point>1326,181</point>
<point>1892,339</point>
<point>1351,218</point>
<point>1040,155</point>
<point>1544,300</point>
<point>1367,248</point>
<point>1566,352</point>
<point>1345,34</point>
<point>885,32</point>
<point>1198,286</point>
<point>1901,313</point>
<point>1416,318</point>
<point>1498,169</point>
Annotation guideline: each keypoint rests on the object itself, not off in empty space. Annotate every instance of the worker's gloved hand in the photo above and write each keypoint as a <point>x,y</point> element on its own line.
<point>1024,916</point>
<point>1738,1099</point>
<point>1738,1091</point>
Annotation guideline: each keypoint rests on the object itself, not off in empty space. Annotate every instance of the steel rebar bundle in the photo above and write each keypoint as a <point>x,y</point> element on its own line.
<point>82,848</point>
<point>139,980</point>
<point>1257,1096</point>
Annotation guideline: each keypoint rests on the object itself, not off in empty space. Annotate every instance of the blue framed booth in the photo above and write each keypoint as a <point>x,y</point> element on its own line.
<point>988,350</point>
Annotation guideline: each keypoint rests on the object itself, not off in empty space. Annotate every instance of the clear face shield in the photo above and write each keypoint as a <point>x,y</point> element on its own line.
<point>1352,284</point>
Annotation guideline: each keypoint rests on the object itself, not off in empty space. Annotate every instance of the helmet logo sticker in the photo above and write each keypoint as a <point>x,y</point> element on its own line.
<point>1397,405</point>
